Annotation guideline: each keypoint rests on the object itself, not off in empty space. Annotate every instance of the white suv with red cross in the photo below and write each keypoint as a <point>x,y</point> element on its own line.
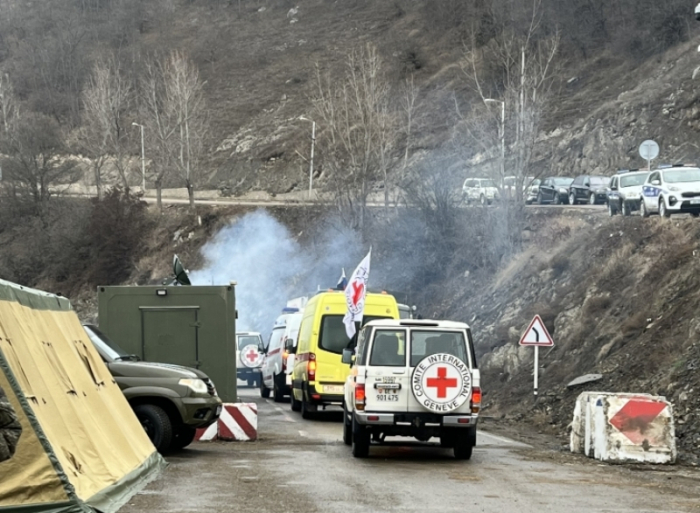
<point>412,378</point>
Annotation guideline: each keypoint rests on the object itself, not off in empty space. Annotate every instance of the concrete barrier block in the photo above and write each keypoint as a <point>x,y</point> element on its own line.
<point>617,427</point>
<point>238,422</point>
<point>207,434</point>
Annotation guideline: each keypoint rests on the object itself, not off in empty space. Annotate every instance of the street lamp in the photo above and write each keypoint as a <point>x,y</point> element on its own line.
<point>502,130</point>
<point>143,159</point>
<point>313,143</point>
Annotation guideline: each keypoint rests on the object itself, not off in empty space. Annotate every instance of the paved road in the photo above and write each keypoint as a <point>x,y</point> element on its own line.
<point>303,466</point>
<point>305,203</point>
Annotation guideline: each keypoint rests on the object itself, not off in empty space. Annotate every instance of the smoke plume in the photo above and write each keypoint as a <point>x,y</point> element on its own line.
<point>271,266</point>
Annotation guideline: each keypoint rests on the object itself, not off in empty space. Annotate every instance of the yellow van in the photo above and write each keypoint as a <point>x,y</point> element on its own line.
<point>319,375</point>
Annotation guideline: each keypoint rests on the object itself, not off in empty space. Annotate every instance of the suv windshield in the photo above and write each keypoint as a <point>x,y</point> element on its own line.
<point>487,183</point>
<point>600,180</point>
<point>426,343</point>
<point>559,180</point>
<point>333,337</point>
<point>105,346</point>
<point>682,175</point>
<point>247,340</point>
<point>631,181</point>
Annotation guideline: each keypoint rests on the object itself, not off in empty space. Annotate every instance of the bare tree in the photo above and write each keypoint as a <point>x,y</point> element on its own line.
<point>107,101</point>
<point>184,98</point>
<point>160,124</point>
<point>9,106</point>
<point>35,164</point>
<point>524,79</point>
<point>360,127</point>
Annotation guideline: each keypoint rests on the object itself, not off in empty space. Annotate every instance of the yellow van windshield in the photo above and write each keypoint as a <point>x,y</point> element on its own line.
<point>333,337</point>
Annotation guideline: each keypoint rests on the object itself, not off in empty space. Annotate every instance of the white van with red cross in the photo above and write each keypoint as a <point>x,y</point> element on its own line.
<point>249,356</point>
<point>412,378</point>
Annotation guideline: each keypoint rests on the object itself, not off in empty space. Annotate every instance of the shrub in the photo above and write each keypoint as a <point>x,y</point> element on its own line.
<point>119,224</point>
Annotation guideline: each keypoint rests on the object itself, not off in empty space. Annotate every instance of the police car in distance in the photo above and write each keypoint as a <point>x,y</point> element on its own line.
<point>412,378</point>
<point>625,191</point>
<point>671,190</point>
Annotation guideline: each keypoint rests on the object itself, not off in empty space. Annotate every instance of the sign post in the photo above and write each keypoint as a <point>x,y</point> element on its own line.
<point>649,150</point>
<point>536,335</point>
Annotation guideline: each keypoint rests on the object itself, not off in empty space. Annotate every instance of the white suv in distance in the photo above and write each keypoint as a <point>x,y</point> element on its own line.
<point>412,378</point>
<point>482,190</point>
<point>625,191</point>
<point>510,185</point>
<point>671,190</point>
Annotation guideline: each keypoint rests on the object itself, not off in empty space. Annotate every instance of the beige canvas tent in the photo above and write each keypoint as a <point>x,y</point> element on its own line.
<point>82,449</point>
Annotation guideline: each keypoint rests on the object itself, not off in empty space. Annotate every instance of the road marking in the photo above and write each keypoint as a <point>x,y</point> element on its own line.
<point>507,441</point>
<point>303,433</point>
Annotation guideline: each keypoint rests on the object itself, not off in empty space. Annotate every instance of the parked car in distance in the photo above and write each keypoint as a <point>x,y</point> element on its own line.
<point>626,191</point>
<point>170,401</point>
<point>481,190</point>
<point>671,190</point>
<point>532,190</point>
<point>510,185</point>
<point>589,189</point>
<point>554,189</point>
<point>249,357</point>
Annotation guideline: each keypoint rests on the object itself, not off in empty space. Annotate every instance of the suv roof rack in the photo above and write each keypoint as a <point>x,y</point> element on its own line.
<point>417,322</point>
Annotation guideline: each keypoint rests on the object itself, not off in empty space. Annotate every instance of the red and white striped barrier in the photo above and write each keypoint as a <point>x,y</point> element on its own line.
<point>624,428</point>
<point>238,422</point>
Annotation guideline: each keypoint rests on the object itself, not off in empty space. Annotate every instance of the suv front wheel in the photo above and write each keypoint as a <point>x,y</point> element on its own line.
<point>157,425</point>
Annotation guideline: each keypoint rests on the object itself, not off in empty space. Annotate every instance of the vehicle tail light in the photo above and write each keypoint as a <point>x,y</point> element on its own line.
<point>284,360</point>
<point>476,399</point>
<point>359,396</point>
<point>311,367</point>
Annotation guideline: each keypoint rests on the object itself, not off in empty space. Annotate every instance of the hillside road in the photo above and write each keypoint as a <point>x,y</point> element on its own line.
<point>299,465</point>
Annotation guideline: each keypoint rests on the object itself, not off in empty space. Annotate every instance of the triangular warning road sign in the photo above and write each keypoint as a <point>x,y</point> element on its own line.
<point>536,334</point>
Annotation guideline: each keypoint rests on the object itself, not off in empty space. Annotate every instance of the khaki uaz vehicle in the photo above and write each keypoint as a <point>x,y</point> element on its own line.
<point>412,378</point>
<point>170,401</point>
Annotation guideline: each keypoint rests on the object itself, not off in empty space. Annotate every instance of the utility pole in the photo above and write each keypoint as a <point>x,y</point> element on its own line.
<point>311,160</point>
<point>143,159</point>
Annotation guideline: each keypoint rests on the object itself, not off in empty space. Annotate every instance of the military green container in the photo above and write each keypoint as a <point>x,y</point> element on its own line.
<point>194,326</point>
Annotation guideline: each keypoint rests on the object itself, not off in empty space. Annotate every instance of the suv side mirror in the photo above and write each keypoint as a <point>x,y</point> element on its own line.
<point>348,356</point>
<point>289,346</point>
<point>613,188</point>
<point>655,182</point>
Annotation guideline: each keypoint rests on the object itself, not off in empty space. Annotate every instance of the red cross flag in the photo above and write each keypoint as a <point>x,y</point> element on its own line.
<point>355,295</point>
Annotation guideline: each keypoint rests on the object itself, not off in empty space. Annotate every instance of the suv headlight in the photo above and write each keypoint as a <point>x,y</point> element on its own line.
<point>196,385</point>
<point>562,190</point>
<point>674,189</point>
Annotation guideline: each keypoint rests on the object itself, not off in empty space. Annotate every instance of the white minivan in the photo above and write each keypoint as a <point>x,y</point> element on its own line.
<point>274,366</point>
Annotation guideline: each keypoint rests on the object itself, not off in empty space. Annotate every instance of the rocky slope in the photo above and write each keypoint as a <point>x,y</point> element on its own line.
<point>619,297</point>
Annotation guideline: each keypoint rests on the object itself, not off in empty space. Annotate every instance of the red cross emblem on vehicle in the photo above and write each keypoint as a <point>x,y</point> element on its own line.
<point>441,382</point>
<point>252,355</point>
